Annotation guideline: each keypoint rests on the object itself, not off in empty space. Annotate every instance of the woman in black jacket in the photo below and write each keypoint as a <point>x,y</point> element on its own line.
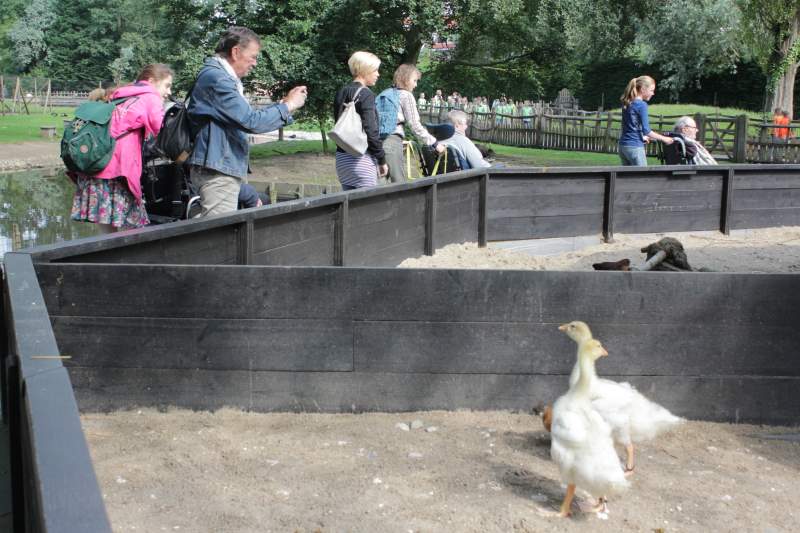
<point>355,172</point>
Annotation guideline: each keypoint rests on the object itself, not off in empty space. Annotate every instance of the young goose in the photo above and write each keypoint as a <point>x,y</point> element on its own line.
<point>632,417</point>
<point>581,443</point>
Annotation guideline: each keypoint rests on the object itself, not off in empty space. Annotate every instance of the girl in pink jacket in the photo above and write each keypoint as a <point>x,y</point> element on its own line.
<point>113,197</point>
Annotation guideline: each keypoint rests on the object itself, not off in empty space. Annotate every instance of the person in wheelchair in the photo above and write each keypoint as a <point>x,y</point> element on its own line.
<point>685,149</point>
<point>449,160</point>
<point>468,154</point>
<point>169,194</point>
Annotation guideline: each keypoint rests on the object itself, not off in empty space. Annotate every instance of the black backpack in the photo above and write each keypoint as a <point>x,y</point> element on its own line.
<point>175,140</point>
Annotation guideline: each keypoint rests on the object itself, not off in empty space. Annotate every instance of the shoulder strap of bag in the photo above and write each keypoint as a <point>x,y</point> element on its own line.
<point>116,102</point>
<point>353,100</point>
<point>355,96</point>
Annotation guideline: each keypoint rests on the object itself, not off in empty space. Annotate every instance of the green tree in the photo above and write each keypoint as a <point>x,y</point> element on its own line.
<point>690,39</point>
<point>773,30</point>
<point>11,12</point>
<point>82,42</point>
<point>27,35</point>
<point>520,48</point>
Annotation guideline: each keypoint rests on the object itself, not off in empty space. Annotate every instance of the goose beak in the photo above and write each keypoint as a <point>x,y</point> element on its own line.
<point>603,352</point>
<point>563,327</point>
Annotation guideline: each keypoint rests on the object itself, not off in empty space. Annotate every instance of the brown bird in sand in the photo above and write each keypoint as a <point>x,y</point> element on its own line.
<point>622,264</point>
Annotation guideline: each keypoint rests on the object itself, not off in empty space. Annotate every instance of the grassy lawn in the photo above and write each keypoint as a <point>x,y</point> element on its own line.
<point>692,109</point>
<point>270,149</point>
<point>21,127</point>
<point>508,154</point>
<point>556,158</point>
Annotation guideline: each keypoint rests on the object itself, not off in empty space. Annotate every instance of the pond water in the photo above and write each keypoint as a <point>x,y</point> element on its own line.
<point>34,210</point>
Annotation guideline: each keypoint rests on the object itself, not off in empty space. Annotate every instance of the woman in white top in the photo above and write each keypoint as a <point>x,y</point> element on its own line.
<point>405,80</point>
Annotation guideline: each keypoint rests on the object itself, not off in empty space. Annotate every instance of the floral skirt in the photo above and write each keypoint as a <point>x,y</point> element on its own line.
<point>107,202</point>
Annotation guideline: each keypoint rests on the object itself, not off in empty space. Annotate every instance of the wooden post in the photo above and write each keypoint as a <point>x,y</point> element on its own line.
<point>47,96</point>
<point>608,207</point>
<point>537,128</point>
<point>740,140</point>
<point>340,232</point>
<point>430,220</point>
<point>483,211</point>
<point>16,94</point>
<point>727,202</point>
<point>244,244</point>
<point>700,121</point>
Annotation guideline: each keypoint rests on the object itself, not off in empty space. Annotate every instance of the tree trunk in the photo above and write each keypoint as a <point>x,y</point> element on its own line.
<point>413,47</point>
<point>783,91</point>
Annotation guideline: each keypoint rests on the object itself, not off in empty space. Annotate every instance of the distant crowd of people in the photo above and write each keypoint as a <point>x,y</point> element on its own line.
<point>479,104</point>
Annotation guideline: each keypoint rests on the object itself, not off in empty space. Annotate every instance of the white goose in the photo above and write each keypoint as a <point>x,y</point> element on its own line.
<point>632,417</point>
<point>581,443</point>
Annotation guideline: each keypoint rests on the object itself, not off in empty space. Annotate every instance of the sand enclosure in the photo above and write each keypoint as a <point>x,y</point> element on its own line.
<point>755,250</point>
<point>231,471</point>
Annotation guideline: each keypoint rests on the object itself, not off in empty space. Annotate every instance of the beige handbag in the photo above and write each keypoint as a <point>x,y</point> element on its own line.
<point>348,132</point>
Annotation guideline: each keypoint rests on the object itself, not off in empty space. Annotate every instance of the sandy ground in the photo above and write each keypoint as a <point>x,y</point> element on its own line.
<point>457,471</point>
<point>476,472</point>
<point>758,250</point>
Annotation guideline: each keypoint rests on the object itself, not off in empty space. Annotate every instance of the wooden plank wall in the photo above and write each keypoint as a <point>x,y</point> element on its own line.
<point>571,202</point>
<point>763,197</point>
<point>651,202</point>
<point>708,346</point>
<point>380,228</point>
<point>560,205</point>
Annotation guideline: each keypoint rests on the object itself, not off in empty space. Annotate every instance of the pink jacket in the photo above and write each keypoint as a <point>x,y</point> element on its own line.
<point>143,112</point>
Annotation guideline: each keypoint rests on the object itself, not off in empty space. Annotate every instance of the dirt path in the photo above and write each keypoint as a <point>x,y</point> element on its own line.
<point>476,472</point>
<point>25,155</point>
<point>295,168</point>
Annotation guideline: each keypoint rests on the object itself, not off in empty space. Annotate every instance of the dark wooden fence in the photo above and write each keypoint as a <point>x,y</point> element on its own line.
<point>209,321</point>
<point>54,488</point>
<point>774,144</point>
<point>352,339</point>
<point>729,138</point>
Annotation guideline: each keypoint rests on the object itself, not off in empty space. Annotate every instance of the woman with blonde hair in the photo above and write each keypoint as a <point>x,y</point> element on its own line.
<point>355,172</point>
<point>112,198</point>
<point>635,125</point>
<point>405,81</point>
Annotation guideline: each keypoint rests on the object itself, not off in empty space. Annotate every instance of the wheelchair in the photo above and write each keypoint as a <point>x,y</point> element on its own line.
<point>675,153</point>
<point>431,162</point>
<point>168,193</point>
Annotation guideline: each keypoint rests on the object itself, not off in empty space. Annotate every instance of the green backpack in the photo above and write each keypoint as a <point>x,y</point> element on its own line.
<point>87,146</point>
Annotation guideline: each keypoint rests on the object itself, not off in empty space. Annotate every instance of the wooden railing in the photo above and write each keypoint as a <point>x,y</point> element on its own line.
<point>595,131</point>
<point>774,143</point>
